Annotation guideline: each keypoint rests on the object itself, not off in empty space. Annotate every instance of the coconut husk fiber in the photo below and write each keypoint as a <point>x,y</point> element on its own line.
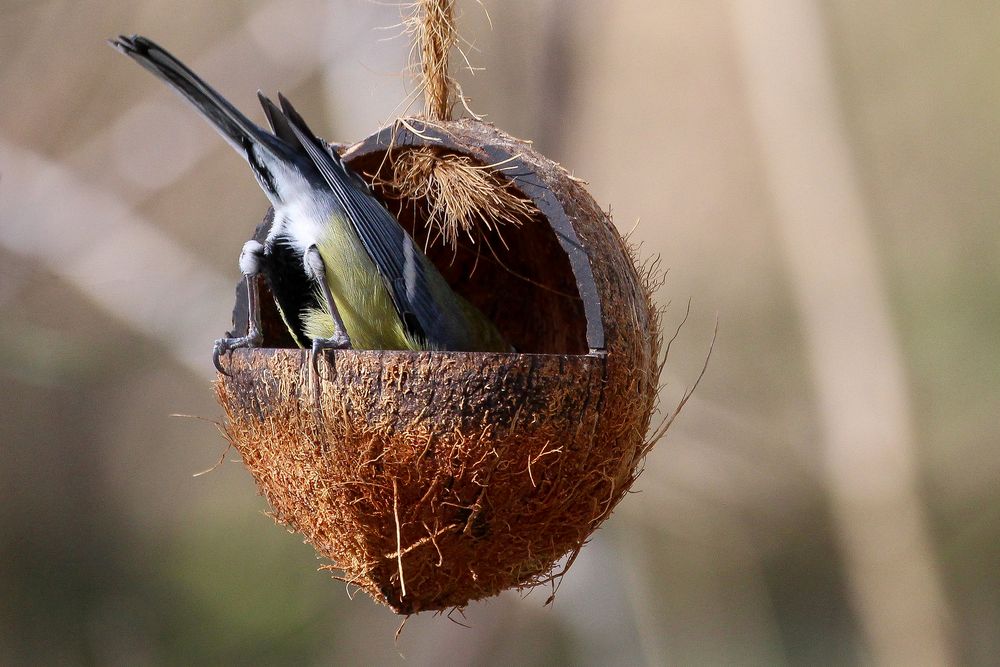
<point>430,479</point>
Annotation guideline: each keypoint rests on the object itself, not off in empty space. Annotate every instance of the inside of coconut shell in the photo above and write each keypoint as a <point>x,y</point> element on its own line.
<point>518,275</point>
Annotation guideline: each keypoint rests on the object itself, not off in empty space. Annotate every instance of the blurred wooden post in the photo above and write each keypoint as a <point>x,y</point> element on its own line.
<point>868,447</point>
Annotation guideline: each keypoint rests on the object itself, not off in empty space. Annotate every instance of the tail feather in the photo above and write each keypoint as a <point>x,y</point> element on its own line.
<point>277,120</point>
<point>241,133</point>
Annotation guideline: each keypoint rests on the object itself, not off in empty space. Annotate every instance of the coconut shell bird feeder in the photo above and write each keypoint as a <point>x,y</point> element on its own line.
<point>431,479</point>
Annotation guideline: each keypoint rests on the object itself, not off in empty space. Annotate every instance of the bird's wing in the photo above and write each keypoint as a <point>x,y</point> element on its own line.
<point>391,249</point>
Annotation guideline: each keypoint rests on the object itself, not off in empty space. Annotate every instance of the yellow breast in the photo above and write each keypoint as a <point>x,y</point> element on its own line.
<point>361,296</point>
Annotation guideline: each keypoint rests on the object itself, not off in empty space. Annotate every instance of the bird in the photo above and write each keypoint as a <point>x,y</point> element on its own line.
<point>342,270</point>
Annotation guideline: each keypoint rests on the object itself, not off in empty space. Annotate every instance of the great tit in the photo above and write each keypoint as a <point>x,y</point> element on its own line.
<point>343,271</point>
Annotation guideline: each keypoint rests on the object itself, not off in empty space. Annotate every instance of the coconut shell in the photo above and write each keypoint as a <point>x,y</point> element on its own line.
<point>430,479</point>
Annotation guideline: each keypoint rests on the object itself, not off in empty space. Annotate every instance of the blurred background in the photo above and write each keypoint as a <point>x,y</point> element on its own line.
<point>821,176</point>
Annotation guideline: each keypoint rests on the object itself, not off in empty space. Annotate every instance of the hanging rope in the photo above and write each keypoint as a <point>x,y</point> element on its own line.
<point>461,198</point>
<point>433,25</point>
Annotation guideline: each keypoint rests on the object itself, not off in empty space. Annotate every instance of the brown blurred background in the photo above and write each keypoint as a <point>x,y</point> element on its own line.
<point>819,175</point>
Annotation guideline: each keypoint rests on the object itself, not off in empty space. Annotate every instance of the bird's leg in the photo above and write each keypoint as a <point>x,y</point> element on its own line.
<point>316,269</point>
<point>250,259</point>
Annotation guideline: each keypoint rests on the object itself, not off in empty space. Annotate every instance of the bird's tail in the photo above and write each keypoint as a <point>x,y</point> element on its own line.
<point>242,134</point>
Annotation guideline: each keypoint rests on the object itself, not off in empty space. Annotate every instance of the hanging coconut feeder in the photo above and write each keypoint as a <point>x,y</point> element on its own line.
<point>431,479</point>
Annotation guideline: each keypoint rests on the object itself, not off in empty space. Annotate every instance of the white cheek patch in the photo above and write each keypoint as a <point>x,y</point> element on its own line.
<point>250,258</point>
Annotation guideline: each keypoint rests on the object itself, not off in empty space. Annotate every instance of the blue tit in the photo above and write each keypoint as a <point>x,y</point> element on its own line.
<point>343,271</point>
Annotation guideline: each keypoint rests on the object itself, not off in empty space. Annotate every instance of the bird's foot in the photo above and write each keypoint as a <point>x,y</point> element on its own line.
<point>226,345</point>
<point>340,341</point>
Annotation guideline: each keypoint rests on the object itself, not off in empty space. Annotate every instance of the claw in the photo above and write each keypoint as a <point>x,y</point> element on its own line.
<point>226,345</point>
<point>217,351</point>
<point>341,341</point>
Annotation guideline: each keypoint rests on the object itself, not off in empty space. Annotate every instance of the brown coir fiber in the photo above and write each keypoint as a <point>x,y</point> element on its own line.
<point>432,479</point>
<point>460,199</point>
